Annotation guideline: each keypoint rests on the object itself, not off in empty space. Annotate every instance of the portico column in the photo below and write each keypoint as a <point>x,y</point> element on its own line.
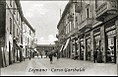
<point>79,48</point>
<point>71,49</point>
<point>92,46</point>
<point>103,43</point>
<point>116,23</point>
<point>84,48</point>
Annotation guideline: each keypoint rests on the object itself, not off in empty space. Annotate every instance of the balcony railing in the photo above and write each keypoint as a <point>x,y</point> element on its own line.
<point>107,8</point>
<point>87,23</point>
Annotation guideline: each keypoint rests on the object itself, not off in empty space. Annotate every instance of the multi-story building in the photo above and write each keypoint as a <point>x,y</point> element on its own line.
<point>64,26</point>
<point>11,36</point>
<point>28,39</point>
<point>107,13</point>
<point>92,27</point>
<point>11,31</point>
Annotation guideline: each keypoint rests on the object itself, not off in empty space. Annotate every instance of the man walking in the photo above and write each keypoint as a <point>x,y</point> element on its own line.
<point>51,56</point>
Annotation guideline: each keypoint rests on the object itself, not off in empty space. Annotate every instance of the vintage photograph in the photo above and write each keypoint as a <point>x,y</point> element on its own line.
<point>58,37</point>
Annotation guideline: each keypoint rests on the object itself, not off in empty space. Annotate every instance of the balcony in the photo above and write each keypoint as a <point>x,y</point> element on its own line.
<point>87,23</point>
<point>72,33</point>
<point>78,7</point>
<point>107,8</point>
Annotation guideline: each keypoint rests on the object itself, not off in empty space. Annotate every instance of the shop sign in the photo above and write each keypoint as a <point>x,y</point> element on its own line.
<point>111,33</point>
<point>110,28</point>
<point>97,33</point>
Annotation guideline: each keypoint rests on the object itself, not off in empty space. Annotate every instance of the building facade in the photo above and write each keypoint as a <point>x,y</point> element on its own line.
<point>92,28</point>
<point>28,39</point>
<point>11,32</point>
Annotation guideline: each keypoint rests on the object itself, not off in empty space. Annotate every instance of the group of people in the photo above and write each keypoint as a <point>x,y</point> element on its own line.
<point>97,55</point>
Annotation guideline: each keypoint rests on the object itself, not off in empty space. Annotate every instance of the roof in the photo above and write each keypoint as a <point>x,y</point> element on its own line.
<point>22,16</point>
<point>26,22</point>
<point>64,13</point>
<point>19,8</point>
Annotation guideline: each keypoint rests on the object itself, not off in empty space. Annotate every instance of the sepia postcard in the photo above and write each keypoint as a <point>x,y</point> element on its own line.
<point>58,37</point>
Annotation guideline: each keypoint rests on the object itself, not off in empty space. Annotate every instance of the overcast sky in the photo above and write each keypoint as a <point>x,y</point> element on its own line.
<point>44,17</point>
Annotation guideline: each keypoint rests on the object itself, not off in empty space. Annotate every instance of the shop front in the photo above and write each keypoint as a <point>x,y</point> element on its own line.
<point>110,32</point>
<point>88,47</point>
<point>82,48</point>
<point>97,45</point>
<point>66,48</point>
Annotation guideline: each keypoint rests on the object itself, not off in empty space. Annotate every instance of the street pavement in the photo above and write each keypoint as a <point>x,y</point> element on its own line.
<point>63,66</point>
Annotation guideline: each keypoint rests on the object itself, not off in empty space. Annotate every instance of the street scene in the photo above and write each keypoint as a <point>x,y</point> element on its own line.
<point>59,38</point>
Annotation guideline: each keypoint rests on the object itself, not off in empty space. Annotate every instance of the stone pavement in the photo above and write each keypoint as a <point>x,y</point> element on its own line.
<point>42,67</point>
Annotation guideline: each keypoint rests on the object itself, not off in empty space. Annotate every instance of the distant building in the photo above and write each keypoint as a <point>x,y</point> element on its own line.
<point>43,48</point>
<point>28,38</point>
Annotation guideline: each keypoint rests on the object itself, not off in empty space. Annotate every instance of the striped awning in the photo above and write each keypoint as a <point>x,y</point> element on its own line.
<point>61,48</point>
<point>67,42</point>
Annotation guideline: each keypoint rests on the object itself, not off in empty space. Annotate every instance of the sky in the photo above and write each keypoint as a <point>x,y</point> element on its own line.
<point>44,16</point>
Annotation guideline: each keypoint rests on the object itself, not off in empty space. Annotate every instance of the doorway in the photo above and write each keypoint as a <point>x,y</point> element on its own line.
<point>111,49</point>
<point>9,53</point>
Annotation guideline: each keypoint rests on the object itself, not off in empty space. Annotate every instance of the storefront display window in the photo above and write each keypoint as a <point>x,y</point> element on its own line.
<point>97,42</point>
<point>88,49</point>
<point>111,47</point>
<point>82,48</point>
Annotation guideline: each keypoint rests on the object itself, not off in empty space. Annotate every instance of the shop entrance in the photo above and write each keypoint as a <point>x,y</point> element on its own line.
<point>82,49</point>
<point>111,49</point>
<point>9,53</point>
<point>88,49</point>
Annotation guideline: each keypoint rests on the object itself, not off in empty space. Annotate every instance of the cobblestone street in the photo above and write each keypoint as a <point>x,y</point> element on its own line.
<point>37,67</point>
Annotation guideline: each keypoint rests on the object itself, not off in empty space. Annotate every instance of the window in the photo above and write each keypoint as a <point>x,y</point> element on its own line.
<point>28,41</point>
<point>29,32</point>
<point>14,29</point>
<point>17,32</point>
<point>14,11</point>
<point>66,29</point>
<point>11,3</point>
<point>19,21</point>
<point>87,12</point>
<point>95,4</point>
<point>17,16</point>
<point>10,26</point>
<point>81,17</point>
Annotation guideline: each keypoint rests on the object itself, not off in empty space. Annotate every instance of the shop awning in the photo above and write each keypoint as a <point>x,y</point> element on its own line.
<point>61,48</point>
<point>67,42</point>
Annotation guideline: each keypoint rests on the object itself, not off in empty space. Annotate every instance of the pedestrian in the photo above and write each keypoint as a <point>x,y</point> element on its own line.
<point>29,58</point>
<point>46,53</point>
<point>58,55</point>
<point>41,54</point>
<point>95,55</point>
<point>99,57</point>
<point>51,56</point>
